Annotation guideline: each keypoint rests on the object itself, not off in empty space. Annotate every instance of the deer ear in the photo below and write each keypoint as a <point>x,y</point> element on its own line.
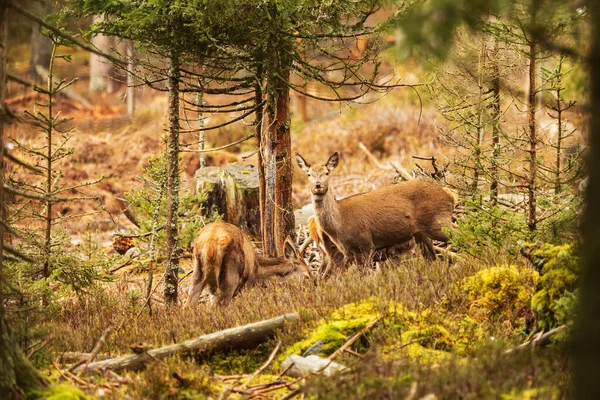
<point>333,161</point>
<point>302,163</point>
<point>289,249</point>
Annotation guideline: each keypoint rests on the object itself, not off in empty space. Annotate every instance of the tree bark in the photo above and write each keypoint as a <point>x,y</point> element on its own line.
<point>268,158</point>
<point>496,114</point>
<point>258,95</point>
<point>284,212</point>
<point>532,138</point>
<point>41,46</point>
<point>17,375</point>
<point>100,69</point>
<point>240,337</point>
<point>586,340</point>
<point>172,266</point>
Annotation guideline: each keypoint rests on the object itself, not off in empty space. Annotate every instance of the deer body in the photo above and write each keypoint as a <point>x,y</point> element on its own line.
<point>360,225</point>
<point>224,260</point>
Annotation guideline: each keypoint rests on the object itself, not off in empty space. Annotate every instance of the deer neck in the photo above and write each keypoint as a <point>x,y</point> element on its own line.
<point>327,212</point>
<point>273,266</point>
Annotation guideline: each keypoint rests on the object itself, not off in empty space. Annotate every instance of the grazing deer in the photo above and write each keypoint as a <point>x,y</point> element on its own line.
<point>364,223</point>
<point>223,258</point>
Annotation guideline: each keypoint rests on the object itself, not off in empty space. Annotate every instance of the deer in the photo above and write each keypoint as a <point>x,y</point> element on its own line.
<point>224,260</point>
<point>362,224</point>
<point>333,258</point>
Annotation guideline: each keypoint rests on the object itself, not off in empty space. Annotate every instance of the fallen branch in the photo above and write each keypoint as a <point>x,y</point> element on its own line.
<point>69,356</point>
<point>262,368</point>
<point>96,350</point>
<point>246,336</point>
<point>402,172</point>
<point>541,340</point>
<point>372,157</point>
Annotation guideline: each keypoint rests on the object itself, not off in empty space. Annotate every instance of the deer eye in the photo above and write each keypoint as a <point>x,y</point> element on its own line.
<point>307,174</point>
<point>327,173</point>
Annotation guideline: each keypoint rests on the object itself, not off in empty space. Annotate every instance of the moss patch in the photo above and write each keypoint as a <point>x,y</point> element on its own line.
<point>554,300</point>
<point>59,392</point>
<point>501,293</point>
<point>426,336</point>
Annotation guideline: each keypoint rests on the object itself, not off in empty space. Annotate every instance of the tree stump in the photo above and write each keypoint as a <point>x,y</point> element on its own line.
<point>232,191</point>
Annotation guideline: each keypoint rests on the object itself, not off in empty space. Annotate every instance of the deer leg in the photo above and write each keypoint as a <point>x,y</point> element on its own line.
<point>197,284</point>
<point>426,246</point>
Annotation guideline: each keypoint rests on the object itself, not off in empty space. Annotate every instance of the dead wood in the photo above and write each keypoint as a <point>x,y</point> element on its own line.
<point>95,350</point>
<point>540,340</point>
<point>240,337</point>
<point>70,356</point>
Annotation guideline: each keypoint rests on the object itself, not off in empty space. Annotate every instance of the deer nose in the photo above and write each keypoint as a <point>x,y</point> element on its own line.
<point>318,185</point>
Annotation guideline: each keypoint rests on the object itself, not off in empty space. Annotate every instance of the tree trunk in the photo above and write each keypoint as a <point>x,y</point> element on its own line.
<point>130,80</point>
<point>239,337</point>
<point>284,212</point>
<point>172,266</point>
<point>258,95</point>
<point>268,154</point>
<point>41,46</point>
<point>495,124</point>
<point>17,375</point>
<point>587,328</point>
<point>100,68</point>
<point>477,167</point>
<point>532,138</point>
<point>560,134</point>
<point>49,169</point>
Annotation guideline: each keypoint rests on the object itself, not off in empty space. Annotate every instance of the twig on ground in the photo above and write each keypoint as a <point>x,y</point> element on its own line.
<point>263,367</point>
<point>354,338</point>
<point>95,351</point>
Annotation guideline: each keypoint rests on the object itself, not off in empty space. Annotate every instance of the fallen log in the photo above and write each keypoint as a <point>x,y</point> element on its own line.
<point>239,337</point>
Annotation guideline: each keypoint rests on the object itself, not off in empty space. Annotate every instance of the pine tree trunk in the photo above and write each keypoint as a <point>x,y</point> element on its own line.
<point>586,343</point>
<point>172,266</point>
<point>278,214</point>
<point>560,133</point>
<point>284,212</point>
<point>495,105</point>
<point>130,80</point>
<point>269,162</point>
<point>258,96</point>
<point>100,68</point>
<point>17,375</point>
<point>41,46</point>
<point>49,176</point>
<point>533,140</point>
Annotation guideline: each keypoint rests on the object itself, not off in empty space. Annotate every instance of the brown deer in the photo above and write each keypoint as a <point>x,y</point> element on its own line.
<point>333,258</point>
<point>364,223</point>
<point>223,259</point>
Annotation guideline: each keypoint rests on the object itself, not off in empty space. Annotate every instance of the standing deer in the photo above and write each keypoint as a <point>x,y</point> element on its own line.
<point>224,259</point>
<point>361,224</point>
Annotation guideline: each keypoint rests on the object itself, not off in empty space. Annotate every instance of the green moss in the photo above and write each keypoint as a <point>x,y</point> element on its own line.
<point>554,301</point>
<point>426,336</point>
<point>501,293</point>
<point>238,362</point>
<point>335,331</point>
<point>59,392</point>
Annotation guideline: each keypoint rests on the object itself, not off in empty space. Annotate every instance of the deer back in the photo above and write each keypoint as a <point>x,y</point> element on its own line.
<point>223,260</point>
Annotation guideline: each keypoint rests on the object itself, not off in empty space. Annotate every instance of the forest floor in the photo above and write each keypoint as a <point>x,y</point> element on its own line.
<point>439,330</point>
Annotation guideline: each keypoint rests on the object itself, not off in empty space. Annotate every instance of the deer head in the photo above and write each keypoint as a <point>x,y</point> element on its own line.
<point>318,175</point>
